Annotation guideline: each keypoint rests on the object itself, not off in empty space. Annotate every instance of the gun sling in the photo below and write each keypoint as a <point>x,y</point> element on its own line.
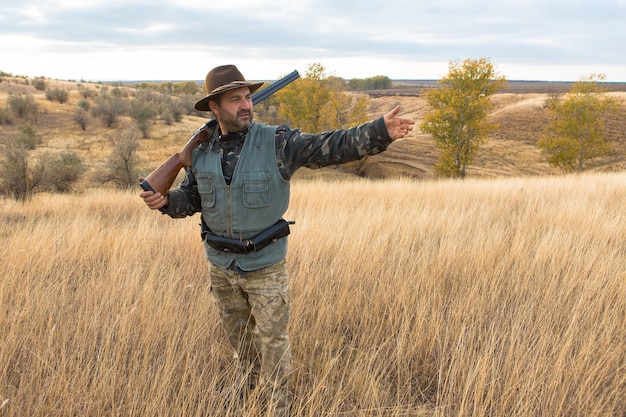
<point>254,244</point>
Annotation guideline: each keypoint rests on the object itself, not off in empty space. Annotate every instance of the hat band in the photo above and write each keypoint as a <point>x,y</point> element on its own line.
<point>230,86</point>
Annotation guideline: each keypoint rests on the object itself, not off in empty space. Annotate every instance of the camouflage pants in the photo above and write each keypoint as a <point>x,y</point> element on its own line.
<point>255,309</point>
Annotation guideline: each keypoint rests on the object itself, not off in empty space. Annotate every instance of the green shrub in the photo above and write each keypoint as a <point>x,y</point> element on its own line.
<point>24,106</point>
<point>62,171</point>
<point>57,94</point>
<point>81,118</point>
<point>28,137</point>
<point>40,83</point>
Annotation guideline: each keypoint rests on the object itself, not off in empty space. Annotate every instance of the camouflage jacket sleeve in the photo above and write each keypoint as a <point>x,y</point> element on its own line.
<point>183,201</point>
<point>295,149</point>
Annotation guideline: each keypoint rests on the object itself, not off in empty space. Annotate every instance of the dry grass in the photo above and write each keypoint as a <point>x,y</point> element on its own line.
<point>476,298</point>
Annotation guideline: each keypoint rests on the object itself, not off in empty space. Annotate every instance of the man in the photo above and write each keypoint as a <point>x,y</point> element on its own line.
<point>239,181</point>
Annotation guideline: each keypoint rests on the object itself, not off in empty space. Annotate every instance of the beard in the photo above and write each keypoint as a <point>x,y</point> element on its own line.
<point>236,122</point>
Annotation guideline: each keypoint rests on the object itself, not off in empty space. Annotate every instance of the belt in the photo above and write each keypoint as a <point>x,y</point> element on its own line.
<point>257,242</point>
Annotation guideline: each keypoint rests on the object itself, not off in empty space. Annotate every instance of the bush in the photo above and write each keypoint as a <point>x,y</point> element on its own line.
<point>57,94</point>
<point>143,112</point>
<point>123,162</point>
<point>87,93</point>
<point>108,108</point>
<point>39,83</point>
<point>84,104</point>
<point>28,137</point>
<point>5,117</point>
<point>81,118</point>
<point>62,171</point>
<point>187,102</point>
<point>24,106</point>
<point>170,111</point>
<point>18,178</point>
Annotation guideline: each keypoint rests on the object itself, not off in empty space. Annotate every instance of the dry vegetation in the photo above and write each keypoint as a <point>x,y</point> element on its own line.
<point>477,298</point>
<point>500,295</point>
<point>511,151</point>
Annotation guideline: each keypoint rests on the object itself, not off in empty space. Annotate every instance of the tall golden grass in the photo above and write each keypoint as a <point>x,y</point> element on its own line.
<point>466,298</point>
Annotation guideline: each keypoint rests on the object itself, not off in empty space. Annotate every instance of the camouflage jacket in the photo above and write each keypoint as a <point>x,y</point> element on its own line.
<point>294,149</point>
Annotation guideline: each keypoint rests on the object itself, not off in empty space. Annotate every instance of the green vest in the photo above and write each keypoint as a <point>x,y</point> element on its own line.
<point>257,197</point>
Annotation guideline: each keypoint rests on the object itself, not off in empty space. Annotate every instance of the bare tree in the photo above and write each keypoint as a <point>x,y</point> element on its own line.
<point>123,163</point>
<point>19,177</point>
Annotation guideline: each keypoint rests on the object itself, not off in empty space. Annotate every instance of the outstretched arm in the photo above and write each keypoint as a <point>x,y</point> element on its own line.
<point>397,127</point>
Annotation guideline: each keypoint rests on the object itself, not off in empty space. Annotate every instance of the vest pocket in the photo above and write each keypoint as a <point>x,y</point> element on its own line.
<point>256,189</point>
<point>206,191</point>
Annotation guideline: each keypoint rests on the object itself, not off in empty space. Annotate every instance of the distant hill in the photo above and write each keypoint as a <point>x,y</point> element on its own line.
<point>415,87</point>
<point>511,151</point>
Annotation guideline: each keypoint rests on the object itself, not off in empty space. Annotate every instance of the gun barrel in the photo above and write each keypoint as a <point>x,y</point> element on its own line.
<point>274,87</point>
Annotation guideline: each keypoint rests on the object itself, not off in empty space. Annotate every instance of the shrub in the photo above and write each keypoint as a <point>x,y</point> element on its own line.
<point>40,83</point>
<point>18,177</point>
<point>123,162</point>
<point>5,117</point>
<point>143,112</point>
<point>84,104</point>
<point>57,94</point>
<point>170,111</point>
<point>28,137</point>
<point>87,93</point>
<point>24,106</point>
<point>62,171</point>
<point>108,108</point>
<point>81,118</point>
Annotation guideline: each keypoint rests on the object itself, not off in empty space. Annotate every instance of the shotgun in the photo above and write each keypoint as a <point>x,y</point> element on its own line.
<point>161,179</point>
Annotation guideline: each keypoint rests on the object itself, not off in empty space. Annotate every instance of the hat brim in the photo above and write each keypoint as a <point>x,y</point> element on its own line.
<point>203,104</point>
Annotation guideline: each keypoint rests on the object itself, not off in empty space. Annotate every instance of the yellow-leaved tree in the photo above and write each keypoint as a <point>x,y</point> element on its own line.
<point>460,107</point>
<point>576,134</point>
<point>318,102</point>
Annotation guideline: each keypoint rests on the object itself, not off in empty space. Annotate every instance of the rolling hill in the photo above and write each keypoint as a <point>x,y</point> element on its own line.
<point>511,151</point>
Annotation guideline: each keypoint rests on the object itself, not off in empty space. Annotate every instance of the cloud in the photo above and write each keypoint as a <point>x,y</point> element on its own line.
<point>395,35</point>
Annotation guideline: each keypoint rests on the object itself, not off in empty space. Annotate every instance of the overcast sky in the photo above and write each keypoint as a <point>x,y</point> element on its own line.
<point>98,40</point>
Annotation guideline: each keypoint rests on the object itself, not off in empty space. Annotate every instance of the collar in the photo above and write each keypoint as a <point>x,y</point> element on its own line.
<point>228,141</point>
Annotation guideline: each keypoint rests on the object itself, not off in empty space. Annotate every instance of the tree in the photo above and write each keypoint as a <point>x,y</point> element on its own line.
<point>19,176</point>
<point>123,162</point>
<point>575,134</point>
<point>379,82</point>
<point>318,102</point>
<point>458,119</point>
<point>142,110</point>
<point>109,108</point>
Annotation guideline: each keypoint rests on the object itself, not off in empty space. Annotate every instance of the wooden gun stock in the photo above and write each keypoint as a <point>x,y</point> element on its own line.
<point>161,179</point>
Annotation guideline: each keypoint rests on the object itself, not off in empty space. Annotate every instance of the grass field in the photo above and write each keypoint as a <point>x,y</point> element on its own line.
<point>474,298</point>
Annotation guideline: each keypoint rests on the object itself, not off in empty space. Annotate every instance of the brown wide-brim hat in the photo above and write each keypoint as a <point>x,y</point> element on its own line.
<point>221,79</point>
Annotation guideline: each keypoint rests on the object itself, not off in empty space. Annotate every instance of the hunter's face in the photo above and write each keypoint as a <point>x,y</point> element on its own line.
<point>234,111</point>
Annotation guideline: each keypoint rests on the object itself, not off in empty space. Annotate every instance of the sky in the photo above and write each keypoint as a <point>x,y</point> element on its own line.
<point>121,40</point>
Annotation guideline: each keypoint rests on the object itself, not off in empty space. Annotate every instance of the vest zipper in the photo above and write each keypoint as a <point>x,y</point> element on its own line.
<point>229,227</point>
